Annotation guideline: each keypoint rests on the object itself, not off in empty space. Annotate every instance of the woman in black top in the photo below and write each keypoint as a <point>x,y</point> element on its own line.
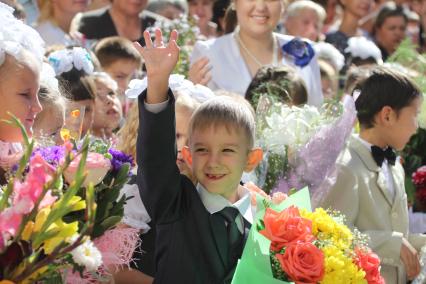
<point>122,18</point>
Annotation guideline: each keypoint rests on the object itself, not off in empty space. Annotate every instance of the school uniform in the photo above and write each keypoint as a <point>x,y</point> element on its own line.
<point>191,239</point>
<point>373,200</point>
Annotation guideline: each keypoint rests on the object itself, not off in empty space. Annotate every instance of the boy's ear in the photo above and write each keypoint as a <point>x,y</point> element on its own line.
<point>254,158</point>
<point>187,157</point>
<point>387,115</point>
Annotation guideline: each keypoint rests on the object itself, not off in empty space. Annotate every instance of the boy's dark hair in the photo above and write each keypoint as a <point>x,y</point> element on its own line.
<point>383,87</point>
<point>111,49</point>
<point>281,82</point>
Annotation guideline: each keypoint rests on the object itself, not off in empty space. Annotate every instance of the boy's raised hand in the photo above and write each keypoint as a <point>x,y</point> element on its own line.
<point>160,60</point>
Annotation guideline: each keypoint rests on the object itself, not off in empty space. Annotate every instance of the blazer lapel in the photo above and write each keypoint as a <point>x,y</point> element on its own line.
<point>381,183</point>
<point>398,183</point>
<point>365,155</point>
<point>217,226</point>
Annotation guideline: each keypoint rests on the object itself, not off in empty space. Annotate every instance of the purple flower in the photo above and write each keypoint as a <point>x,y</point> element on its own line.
<point>118,159</point>
<point>301,50</point>
<point>52,154</point>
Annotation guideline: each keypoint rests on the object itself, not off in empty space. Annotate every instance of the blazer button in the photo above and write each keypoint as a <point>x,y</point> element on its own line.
<point>394,215</point>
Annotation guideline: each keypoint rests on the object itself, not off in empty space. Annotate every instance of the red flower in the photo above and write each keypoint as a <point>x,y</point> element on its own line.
<point>370,263</point>
<point>419,178</point>
<point>286,227</point>
<point>303,263</point>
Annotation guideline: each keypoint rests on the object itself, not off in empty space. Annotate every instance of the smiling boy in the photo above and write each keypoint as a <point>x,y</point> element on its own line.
<point>200,229</point>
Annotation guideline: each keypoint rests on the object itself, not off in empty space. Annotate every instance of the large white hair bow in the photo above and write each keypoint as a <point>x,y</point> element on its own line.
<point>16,36</point>
<point>176,83</point>
<point>65,59</point>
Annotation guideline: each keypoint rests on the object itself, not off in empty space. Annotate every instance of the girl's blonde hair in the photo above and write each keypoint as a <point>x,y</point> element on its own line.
<point>127,136</point>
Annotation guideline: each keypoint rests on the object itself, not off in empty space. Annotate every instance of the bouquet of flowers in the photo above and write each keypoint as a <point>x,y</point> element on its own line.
<point>59,211</point>
<point>108,170</point>
<point>289,243</point>
<point>35,241</point>
<point>188,35</point>
<point>301,144</point>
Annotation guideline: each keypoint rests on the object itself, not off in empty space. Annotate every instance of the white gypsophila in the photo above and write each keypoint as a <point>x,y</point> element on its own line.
<point>87,255</point>
<point>15,36</point>
<point>363,48</point>
<point>48,77</point>
<point>82,60</point>
<point>328,52</point>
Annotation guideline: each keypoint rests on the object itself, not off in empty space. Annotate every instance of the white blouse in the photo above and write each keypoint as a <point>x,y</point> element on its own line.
<point>229,70</point>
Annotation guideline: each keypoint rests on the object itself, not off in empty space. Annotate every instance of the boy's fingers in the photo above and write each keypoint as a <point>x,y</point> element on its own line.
<point>158,38</point>
<point>147,38</point>
<point>138,46</point>
<point>173,36</point>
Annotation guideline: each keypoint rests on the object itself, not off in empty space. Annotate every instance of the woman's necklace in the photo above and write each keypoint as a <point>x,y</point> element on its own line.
<point>274,49</point>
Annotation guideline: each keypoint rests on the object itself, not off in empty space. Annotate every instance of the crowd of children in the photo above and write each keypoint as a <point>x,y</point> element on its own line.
<point>195,146</point>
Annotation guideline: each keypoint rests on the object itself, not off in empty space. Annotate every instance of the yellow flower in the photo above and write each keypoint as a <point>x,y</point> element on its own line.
<point>75,203</point>
<point>326,228</point>
<point>28,230</point>
<point>340,269</point>
<point>64,231</point>
<point>41,218</point>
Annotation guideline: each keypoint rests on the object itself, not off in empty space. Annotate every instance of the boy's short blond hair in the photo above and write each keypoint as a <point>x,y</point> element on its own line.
<point>224,111</point>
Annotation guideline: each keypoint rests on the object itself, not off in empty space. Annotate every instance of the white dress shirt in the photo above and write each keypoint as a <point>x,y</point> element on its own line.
<point>229,70</point>
<point>385,169</point>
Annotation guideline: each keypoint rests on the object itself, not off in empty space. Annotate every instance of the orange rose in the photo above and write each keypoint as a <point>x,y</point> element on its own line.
<point>303,263</point>
<point>286,227</point>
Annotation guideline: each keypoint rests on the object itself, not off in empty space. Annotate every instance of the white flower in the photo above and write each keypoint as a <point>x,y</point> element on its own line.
<point>330,53</point>
<point>87,255</point>
<point>363,48</point>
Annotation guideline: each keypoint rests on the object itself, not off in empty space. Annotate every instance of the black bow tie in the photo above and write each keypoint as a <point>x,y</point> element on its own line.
<point>380,155</point>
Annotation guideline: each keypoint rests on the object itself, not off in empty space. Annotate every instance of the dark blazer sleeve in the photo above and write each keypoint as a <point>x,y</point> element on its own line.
<point>158,176</point>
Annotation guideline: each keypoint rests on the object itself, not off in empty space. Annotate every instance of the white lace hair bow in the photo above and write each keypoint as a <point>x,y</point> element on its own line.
<point>176,83</point>
<point>65,59</point>
<point>329,52</point>
<point>16,36</point>
<point>363,48</point>
<point>48,77</point>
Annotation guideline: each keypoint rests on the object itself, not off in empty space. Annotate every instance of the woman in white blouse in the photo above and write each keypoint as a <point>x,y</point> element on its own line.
<point>230,62</point>
<point>54,22</point>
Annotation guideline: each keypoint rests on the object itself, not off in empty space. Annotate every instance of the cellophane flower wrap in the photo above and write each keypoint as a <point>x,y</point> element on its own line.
<point>290,244</point>
<point>36,241</point>
<point>301,144</point>
<point>189,33</point>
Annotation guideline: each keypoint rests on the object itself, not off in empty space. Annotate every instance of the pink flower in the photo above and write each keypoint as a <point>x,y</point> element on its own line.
<point>370,263</point>
<point>97,166</point>
<point>31,188</point>
<point>10,220</point>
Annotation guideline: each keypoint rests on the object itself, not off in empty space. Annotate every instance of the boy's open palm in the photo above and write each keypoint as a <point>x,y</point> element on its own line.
<point>160,58</point>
